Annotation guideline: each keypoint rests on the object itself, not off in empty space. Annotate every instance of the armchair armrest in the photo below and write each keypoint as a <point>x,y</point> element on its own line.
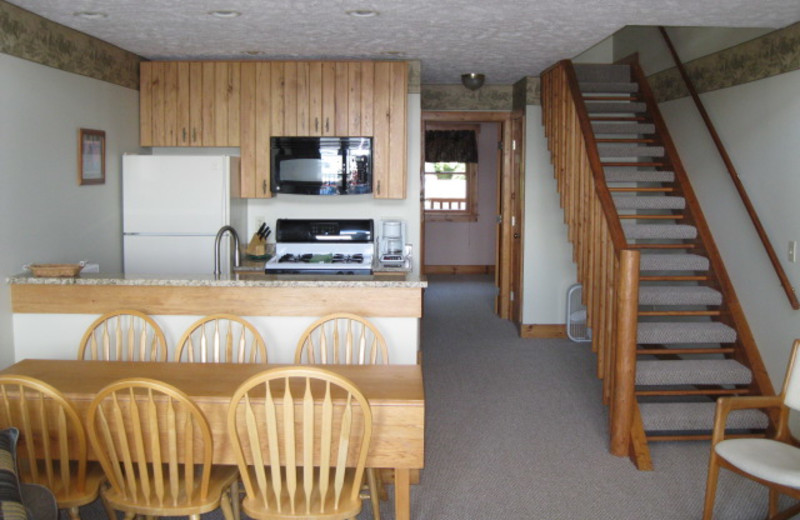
<point>725,405</point>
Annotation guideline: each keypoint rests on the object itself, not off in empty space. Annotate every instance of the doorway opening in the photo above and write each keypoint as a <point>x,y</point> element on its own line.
<point>471,218</point>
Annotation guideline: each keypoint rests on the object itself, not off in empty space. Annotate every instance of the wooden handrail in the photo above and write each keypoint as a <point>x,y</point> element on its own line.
<point>607,266</point>
<point>762,234</point>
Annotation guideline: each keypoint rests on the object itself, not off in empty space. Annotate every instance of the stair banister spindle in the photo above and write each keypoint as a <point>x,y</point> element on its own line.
<point>751,211</point>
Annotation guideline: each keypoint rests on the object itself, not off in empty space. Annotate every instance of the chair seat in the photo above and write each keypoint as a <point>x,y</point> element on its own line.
<point>72,497</point>
<point>766,459</point>
<point>255,507</point>
<point>221,478</point>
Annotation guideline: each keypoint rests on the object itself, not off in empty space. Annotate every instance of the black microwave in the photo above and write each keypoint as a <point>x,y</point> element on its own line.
<point>321,165</point>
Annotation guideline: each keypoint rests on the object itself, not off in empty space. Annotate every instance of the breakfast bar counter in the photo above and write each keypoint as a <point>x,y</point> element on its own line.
<point>280,306</point>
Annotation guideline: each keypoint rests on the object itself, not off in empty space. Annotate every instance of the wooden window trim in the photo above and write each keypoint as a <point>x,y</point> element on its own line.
<point>468,215</point>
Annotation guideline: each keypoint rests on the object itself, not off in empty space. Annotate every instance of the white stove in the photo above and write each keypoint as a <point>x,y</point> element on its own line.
<point>322,247</point>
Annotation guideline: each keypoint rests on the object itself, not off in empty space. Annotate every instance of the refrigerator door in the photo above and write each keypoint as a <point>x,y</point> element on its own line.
<point>175,194</point>
<point>166,255</point>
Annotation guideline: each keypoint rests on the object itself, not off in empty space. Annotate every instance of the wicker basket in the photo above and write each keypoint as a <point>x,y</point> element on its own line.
<point>55,270</point>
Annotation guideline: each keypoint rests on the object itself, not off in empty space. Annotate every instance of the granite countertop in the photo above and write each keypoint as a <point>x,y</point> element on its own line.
<point>241,279</point>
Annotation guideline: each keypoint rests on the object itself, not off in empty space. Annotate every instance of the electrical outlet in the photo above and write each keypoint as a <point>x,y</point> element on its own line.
<point>793,251</point>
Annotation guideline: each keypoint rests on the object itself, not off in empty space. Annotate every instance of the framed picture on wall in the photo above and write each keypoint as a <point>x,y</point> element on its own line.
<point>91,157</point>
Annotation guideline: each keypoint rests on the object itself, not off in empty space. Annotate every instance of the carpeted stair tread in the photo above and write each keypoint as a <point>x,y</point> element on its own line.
<point>673,262</point>
<point>696,417</point>
<point>623,128</point>
<point>608,107</point>
<point>614,174</point>
<point>659,231</point>
<point>629,150</point>
<point>602,73</point>
<point>608,87</point>
<point>692,372</point>
<point>680,332</point>
<point>678,295</point>
<point>648,202</point>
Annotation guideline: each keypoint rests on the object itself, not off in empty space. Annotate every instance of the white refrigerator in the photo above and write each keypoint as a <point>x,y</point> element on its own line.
<point>173,207</point>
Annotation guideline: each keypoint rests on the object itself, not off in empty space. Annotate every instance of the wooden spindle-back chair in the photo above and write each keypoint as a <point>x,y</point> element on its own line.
<point>155,447</point>
<point>342,338</point>
<point>53,446</point>
<point>123,335</point>
<point>221,338</point>
<point>301,437</point>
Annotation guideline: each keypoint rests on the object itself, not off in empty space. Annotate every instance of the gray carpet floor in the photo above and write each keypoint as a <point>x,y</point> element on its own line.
<point>516,430</point>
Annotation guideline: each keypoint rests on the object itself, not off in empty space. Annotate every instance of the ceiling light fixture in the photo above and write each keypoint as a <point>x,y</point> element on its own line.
<point>224,13</point>
<point>473,81</point>
<point>90,15</point>
<point>362,13</point>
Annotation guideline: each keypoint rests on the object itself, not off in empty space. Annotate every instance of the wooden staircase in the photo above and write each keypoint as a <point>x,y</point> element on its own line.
<point>668,330</point>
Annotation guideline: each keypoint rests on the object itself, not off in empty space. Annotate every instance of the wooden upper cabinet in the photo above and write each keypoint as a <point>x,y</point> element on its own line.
<point>246,103</point>
<point>189,103</point>
<point>389,144</point>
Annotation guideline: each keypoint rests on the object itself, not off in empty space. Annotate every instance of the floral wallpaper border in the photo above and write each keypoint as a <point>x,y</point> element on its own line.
<point>457,97</point>
<point>31,37</point>
<point>775,53</point>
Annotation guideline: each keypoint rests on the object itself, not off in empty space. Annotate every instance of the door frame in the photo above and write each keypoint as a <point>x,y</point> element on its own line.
<point>507,194</point>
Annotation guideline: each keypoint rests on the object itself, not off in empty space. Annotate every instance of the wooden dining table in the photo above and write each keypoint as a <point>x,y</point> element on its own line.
<point>395,393</point>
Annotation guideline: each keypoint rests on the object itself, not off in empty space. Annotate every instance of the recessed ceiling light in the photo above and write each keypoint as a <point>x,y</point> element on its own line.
<point>253,53</point>
<point>393,53</point>
<point>90,15</point>
<point>224,13</point>
<point>362,13</point>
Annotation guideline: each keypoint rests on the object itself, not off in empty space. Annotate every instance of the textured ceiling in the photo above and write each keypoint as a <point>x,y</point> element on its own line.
<point>505,40</point>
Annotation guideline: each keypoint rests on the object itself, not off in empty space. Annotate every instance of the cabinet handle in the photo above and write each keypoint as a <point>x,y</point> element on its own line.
<point>184,135</point>
<point>316,124</point>
<point>264,187</point>
<point>378,190</point>
<point>327,125</point>
<point>194,135</point>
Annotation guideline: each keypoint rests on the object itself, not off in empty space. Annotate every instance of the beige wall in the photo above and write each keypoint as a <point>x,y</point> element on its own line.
<point>758,122</point>
<point>44,215</point>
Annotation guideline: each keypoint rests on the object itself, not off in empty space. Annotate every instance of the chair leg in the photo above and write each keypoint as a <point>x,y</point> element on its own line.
<point>372,481</point>
<point>773,502</point>
<point>711,486</point>
<point>236,501</point>
<point>74,514</point>
<point>225,505</point>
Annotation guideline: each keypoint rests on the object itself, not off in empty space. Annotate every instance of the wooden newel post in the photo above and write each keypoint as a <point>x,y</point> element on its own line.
<point>623,398</point>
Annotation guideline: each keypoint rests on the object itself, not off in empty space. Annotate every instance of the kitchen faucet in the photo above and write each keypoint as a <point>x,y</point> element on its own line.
<point>217,240</point>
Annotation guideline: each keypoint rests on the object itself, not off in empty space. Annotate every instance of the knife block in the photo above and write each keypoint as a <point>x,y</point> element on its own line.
<point>257,247</point>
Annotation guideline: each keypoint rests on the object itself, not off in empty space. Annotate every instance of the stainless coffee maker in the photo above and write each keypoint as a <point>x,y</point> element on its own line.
<point>392,241</point>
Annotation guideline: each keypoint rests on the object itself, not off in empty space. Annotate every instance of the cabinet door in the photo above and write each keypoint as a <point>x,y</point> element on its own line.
<point>328,124</point>
<point>315,123</point>
<point>195,104</point>
<point>255,129</point>
<point>166,104</point>
<point>225,104</point>
<point>389,130</point>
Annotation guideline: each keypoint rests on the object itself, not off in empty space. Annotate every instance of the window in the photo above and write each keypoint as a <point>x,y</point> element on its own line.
<point>450,191</point>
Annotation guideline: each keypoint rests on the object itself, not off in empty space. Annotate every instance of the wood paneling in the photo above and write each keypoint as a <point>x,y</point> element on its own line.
<point>244,301</point>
